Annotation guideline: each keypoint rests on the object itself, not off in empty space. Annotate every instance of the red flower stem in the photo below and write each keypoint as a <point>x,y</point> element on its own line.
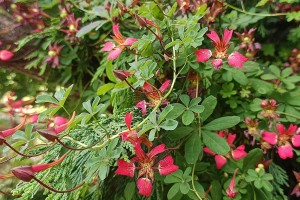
<point>25,155</point>
<point>73,148</point>
<point>9,194</point>
<point>54,190</point>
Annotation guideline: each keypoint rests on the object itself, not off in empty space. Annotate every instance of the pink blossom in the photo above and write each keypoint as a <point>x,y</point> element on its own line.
<point>231,190</point>
<point>5,55</point>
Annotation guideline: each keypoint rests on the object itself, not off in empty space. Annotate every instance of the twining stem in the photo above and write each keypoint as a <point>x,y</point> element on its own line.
<point>287,114</point>
<point>254,14</point>
<point>54,190</point>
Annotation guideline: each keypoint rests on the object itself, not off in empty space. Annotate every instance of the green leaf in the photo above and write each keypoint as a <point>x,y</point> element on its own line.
<point>187,117</point>
<point>261,3</point>
<point>215,143</point>
<point>209,105</point>
<point>172,44</point>
<point>105,88</point>
<point>267,177</point>
<point>268,186</point>
<point>88,28</point>
<point>109,72</point>
<point>239,76</point>
<point>179,133</point>
<point>268,77</point>
<point>173,190</point>
<point>175,177</point>
<point>222,123</point>
<point>216,189</point>
<point>275,70</point>
<point>252,159</point>
<point>197,108</point>
<point>193,148</point>
<point>169,124</point>
<point>184,187</point>
<point>185,99</point>
<point>46,99</point>
<point>195,101</point>
<point>164,113</point>
<point>128,191</point>
<point>177,110</point>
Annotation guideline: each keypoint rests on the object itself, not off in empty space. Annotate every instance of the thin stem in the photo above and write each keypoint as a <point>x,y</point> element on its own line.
<point>9,194</point>
<point>73,148</point>
<point>193,183</point>
<point>54,190</point>
<point>7,160</point>
<point>254,14</point>
<point>66,111</point>
<point>287,114</point>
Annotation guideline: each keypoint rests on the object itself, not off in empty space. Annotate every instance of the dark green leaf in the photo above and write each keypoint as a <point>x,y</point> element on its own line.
<point>222,123</point>
<point>187,117</point>
<point>193,148</point>
<point>215,143</point>
<point>252,159</point>
<point>209,105</point>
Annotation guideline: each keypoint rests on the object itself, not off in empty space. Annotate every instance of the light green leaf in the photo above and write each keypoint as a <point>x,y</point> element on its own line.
<point>215,143</point>
<point>222,123</point>
<point>187,117</point>
<point>105,88</point>
<point>169,124</point>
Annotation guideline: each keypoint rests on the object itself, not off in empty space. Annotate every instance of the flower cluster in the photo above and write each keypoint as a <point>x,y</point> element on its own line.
<point>53,54</point>
<point>294,60</point>
<point>235,59</point>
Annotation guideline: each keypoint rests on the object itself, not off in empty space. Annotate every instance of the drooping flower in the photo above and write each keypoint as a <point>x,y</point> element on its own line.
<point>122,42</point>
<point>132,135</point>
<point>8,132</point>
<point>231,190</point>
<point>5,55</point>
<point>122,74</point>
<point>145,164</point>
<point>53,54</point>
<point>235,59</point>
<point>269,108</point>
<point>296,190</point>
<point>235,153</point>
<point>153,94</point>
<point>283,139</point>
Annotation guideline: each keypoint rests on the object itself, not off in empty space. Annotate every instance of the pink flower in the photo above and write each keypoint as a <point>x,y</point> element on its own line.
<point>122,42</point>
<point>122,74</point>
<point>235,59</point>
<point>8,132</point>
<point>146,167</point>
<point>53,54</point>
<point>73,26</point>
<point>153,94</point>
<point>269,137</point>
<point>5,55</point>
<point>231,191</point>
<point>235,153</point>
<point>269,108</point>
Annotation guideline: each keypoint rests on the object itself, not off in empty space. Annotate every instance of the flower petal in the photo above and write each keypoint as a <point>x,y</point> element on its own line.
<point>231,138</point>
<point>128,119</point>
<point>208,151</point>
<point>144,186</point>
<point>239,152</point>
<point>114,54</point>
<point>61,128</point>
<point>108,46</point>
<point>285,151</point>
<point>236,59</point>
<point>125,168</point>
<point>58,120</point>
<point>214,37</point>
<point>292,129</point>
<point>156,150</point>
<point>11,131</point>
<point>280,128</point>
<point>116,31</point>
<point>220,161</point>
<point>166,166</point>
<point>203,55</point>
<point>269,137</point>
<point>148,87</point>
<point>129,41</point>
<point>296,140</point>
<point>217,63</point>
<point>164,86</point>
<point>142,105</point>
<point>5,55</point>
<point>42,167</point>
<point>227,36</point>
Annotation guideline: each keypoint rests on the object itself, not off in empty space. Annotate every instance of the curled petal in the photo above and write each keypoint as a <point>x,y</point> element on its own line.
<point>116,31</point>
<point>166,166</point>
<point>231,138</point>
<point>220,161</point>
<point>114,54</point>
<point>148,87</point>
<point>280,128</point>
<point>236,59</point>
<point>285,151</point>
<point>231,191</point>
<point>156,150</point>
<point>61,128</point>
<point>214,37</point>
<point>128,119</point>
<point>292,129</point>
<point>208,151</point>
<point>5,55</point>
<point>269,137</point>
<point>108,46</point>
<point>144,186</point>
<point>203,55</point>
<point>164,86</point>
<point>11,131</point>
<point>42,167</point>
<point>142,105</point>
<point>125,168</point>
<point>227,36</point>
<point>239,152</point>
<point>296,140</point>
<point>129,41</point>
<point>217,63</point>
<point>140,154</point>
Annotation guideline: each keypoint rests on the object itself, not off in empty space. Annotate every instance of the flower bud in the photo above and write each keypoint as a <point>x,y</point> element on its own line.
<point>5,55</point>
<point>24,173</point>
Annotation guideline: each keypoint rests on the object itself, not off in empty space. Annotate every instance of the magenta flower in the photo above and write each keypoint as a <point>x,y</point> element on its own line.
<point>122,42</point>
<point>283,140</point>
<point>231,191</point>
<point>235,59</point>
<point>235,153</point>
<point>153,94</point>
<point>146,167</point>
<point>53,54</point>
<point>5,55</point>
